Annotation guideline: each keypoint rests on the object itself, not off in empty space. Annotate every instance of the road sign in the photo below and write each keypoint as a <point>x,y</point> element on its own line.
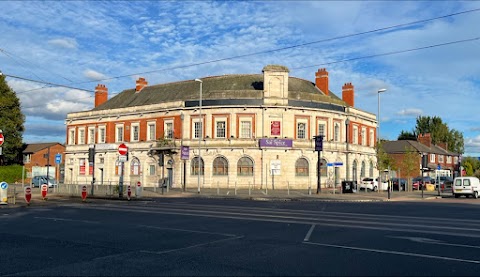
<point>84,193</point>
<point>338,164</point>
<point>122,158</point>
<point>3,193</point>
<point>122,149</point>
<point>1,139</point>
<point>129,192</point>
<point>28,194</point>
<point>329,164</point>
<point>138,189</point>
<point>44,189</point>
<point>58,158</point>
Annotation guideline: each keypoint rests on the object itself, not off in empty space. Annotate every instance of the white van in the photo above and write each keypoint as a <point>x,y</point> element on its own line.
<point>466,186</point>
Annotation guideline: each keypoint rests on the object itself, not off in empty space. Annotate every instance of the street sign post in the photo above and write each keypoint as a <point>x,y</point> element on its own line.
<point>84,193</point>
<point>138,189</point>
<point>122,150</point>
<point>27,194</point>
<point>44,190</point>
<point>3,193</point>
<point>319,149</point>
<point>129,192</point>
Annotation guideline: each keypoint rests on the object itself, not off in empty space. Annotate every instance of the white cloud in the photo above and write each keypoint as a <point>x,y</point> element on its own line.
<point>94,75</point>
<point>69,43</point>
<point>410,112</point>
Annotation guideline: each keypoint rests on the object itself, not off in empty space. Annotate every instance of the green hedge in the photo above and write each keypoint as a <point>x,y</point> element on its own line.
<point>11,173</point>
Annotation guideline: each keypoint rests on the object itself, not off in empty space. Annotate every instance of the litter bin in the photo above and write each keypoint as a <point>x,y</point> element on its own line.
<point>349,186</point>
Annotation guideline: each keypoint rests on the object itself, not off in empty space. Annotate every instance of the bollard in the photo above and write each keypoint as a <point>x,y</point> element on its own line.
<point>218,189</point>
<point>288,189</point>
<point>235,188</point>
<point>249,189</point>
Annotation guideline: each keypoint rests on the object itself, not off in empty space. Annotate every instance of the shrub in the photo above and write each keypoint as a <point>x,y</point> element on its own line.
<point>11,173</point>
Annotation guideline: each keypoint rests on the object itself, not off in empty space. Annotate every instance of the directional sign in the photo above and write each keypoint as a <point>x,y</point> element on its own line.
<point>4,185</point>
<point>337,163</point>
<point>329,164</point>
<point>122,149</point>
<point>1,139</point>
<point>58,158</point>
<point>3,193</point>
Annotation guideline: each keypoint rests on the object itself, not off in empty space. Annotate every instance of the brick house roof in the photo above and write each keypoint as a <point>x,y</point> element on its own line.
<point>35,147</point>
<point>247,86</point>
<point>400,146</point>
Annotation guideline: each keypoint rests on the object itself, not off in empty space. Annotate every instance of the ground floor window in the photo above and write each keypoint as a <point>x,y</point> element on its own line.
<point>197,166</point>
<point>301,167</point>
<point>245,167</point>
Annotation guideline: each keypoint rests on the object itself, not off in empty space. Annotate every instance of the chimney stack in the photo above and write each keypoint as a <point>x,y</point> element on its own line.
<point>321,80</point>
<point>348,94</point>
<point>425,139</point>
<point>141,83</point>
<point>101,94</point>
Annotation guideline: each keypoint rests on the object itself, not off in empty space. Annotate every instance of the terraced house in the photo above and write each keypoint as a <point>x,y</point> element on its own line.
<point>251,130</point>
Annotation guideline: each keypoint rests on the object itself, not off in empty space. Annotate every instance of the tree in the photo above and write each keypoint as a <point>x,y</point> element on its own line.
<point>384,161</point>
<point>438,131</point>
<point>471,166</point>
<point>11,123</point>
<point>410,163</point>
<point>406,135</point>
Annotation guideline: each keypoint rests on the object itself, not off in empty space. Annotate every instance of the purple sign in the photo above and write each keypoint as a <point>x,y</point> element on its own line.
<point>275,143</point>
<point>185,155</point>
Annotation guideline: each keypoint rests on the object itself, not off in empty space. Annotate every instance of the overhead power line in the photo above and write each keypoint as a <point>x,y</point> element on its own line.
<point>46,83</point>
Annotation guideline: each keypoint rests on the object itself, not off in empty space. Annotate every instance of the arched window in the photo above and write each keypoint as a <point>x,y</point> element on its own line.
<point>135,167</point>
<point>370,173</point>
<point>323,168</point>
<point>245,167</point>
<point>220,166</point>
<point>362,170</point>
<point>301,167</point>
<point>197,165</point>
<point>118,167</point>
<point>354,171</point>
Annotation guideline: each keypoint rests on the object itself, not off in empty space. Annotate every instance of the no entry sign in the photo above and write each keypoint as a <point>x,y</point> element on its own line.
<point>28,194</point>
<point>1,139</point>
<point>122,149</point>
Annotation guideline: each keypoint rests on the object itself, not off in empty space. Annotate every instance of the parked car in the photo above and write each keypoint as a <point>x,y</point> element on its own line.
<point>37,181</point>
<point>371,184</point>
<point>399,184</point>
<point>416,185</point>
<point>468,186</point>
<point>446,183</point>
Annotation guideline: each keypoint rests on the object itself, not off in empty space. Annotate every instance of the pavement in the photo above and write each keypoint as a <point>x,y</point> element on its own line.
<point>226,193</point>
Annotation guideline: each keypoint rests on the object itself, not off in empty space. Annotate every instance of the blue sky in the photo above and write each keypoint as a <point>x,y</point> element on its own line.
<point>83,43</point>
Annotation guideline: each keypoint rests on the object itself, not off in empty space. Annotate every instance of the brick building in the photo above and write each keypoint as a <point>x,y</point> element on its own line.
<point>438,155</point>
<point>249,130</point>
<point>42,155</point>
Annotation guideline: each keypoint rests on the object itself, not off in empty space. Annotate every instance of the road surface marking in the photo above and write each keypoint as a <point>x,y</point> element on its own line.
<point>307,237</point>
<point>432,241</point>
<point>395,252</point>
<point>185,230</point>
<point>189,247</point>
<point>67,219</point>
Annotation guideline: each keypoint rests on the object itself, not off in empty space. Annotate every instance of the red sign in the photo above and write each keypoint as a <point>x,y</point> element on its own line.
<point>122,149</point>
<point>84,193</point>
<point>129,192</point>
<point>44,190</point>
<point>28,194</point>
<point>1,139</point>
<point>275,128</point>
<point>139,184</point>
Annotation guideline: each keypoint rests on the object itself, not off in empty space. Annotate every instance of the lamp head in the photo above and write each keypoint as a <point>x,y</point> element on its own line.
<point>198,80</point>
<point>382,90</point>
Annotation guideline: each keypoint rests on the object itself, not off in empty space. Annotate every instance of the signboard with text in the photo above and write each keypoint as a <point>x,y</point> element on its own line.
<point>276,143</point>
<point>185,155</point>
<point>275,128</point>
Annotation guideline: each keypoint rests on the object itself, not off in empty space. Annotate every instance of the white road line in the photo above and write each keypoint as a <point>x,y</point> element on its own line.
<point>185,230</point>
<point>67,219</point>
<point>189,247</point>
<point>296,220</point>
<point>307,237</point>
<point>395,253</point>
<point>437,242</point>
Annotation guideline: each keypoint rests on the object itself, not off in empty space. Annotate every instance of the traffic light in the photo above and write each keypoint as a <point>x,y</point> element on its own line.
<point>91,155</point>
<point>425,161</point>
<point>160,159</point>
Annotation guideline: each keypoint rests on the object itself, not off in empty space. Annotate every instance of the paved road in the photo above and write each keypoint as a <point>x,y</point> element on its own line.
<point>233,237</point>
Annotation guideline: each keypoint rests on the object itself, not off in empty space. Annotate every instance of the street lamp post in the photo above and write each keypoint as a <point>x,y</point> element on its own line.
<point>200,135</point>
<point>379,182</point>
<point>183,171</point>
